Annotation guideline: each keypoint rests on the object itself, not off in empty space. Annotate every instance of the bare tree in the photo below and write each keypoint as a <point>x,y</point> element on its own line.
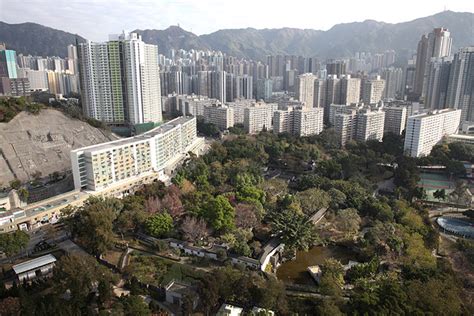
<point>153,205</point>
<point>245,215</point>
<point>172,202</point>
<point>194,229</point>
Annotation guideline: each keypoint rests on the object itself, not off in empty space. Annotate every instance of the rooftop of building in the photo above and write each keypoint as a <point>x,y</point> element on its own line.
<point>461,136</point>
<point>165,127</point>
<point>34,264</point>
<point>180,287</point>
<point>434,112</point>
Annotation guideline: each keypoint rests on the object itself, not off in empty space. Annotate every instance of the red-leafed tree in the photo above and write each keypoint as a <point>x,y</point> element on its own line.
<point>172,202</point>
<point>153,205</point>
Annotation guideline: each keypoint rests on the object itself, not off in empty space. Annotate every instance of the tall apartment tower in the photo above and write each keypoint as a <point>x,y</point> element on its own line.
<point>393,82</point>
<point>8,63</point>
<point>461,83</point>
<point>72,65</point>
<point>350,90</point>
<point>120,80</point>
<point>372,90</point>
<point>264,89</point>
<point>305,90</point>
<point>438,79</point>
<point>437,44</point>
<point>331,92</point>
<point>319,93</point>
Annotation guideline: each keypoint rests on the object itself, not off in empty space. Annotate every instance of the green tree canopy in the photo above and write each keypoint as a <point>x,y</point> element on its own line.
<point>12,243</point>
<point>159,225</point>
<point>219,213</point>
<point>295,230</point>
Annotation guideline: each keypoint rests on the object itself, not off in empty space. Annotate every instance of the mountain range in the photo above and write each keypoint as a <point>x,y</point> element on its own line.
<point>341,40</point>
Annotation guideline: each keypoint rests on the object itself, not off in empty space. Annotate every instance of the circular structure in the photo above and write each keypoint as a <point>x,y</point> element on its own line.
<point>456,226</point>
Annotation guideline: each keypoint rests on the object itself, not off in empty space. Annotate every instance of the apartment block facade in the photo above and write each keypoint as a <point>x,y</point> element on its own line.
<point>100,166</point>
<point>423,131</point>
<point>120,80</point>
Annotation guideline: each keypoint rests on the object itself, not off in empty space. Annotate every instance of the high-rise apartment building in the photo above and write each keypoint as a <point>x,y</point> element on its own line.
<point>395,119</point>
<point>283,121</point>
<point>423,131</point>
<point>345,127</point>
<point>298,121</point>
<point>305,90</point>
<point>393,82</point>
<point>461,83</point>
<point>72,61</point>
<point>120,80</point>
<point>350,90</point>
<point>258,117</point>
<point>331,92</point>
<point>38,78</point>
<point>335,109</point>
<point>372,90</point>
<point>221,116</point>
<point>336,67</point>
<point>370,125</point>
<point>437,44</point>
<point>8,63</point>
<point>438,78</point>
<point>308,121</point>
<point>264,89</point>
<point>319,93</point>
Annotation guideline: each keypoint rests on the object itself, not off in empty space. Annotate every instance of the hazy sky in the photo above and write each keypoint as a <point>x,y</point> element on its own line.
<point>95,19</point>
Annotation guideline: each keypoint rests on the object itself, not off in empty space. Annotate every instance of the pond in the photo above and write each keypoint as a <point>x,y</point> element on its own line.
<point>294,271</point>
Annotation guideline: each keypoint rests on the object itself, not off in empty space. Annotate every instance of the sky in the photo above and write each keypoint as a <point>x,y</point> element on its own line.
<point>95,19</point>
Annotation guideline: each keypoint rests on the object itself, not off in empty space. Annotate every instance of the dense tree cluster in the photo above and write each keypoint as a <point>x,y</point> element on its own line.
<point>12,243</point>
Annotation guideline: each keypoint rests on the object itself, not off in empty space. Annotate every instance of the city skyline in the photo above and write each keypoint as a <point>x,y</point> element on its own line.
<point>83,16</point>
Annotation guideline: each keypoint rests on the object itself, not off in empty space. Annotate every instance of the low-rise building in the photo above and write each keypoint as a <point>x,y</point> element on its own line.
<point>257,311</point>
<point>35,268</point>
<point>229,310</point>
<point>177,292</point>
